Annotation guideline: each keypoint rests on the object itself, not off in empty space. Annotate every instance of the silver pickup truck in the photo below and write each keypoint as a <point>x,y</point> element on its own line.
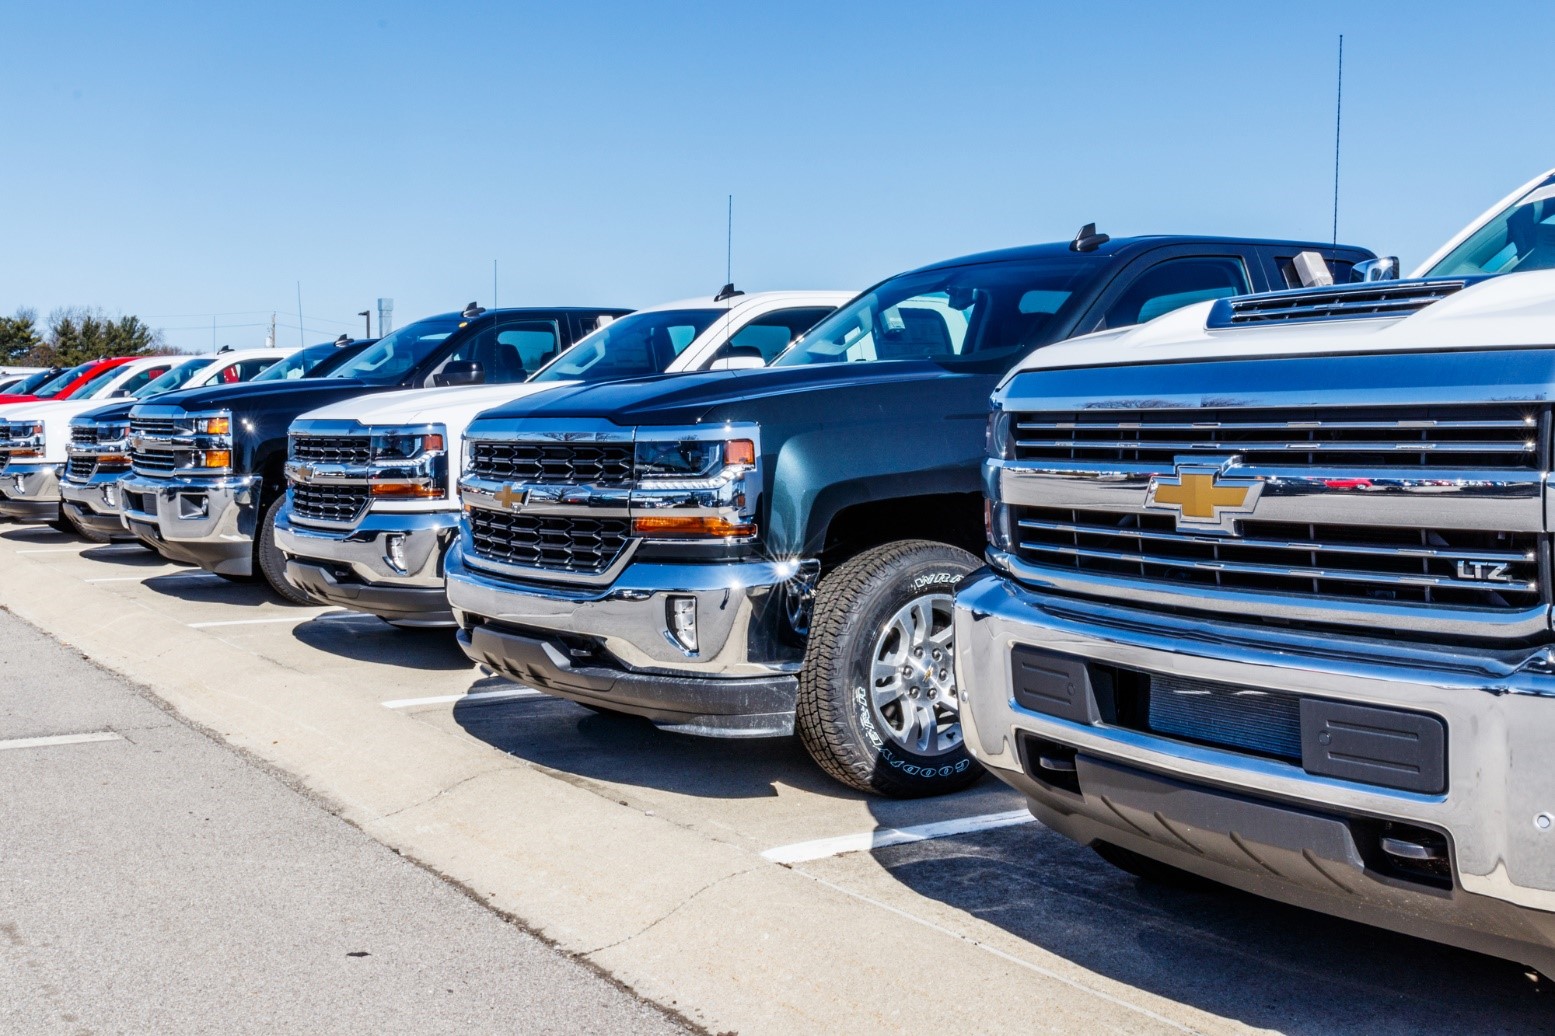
<point>1269,594</point>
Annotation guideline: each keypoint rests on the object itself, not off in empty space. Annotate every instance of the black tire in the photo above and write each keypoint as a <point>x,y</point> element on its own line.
<point>270,562</point>
<point>838,719</point>
<point>1146,869</point>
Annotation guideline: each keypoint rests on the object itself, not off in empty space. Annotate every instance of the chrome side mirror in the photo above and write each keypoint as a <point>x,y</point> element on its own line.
<point>1383,269</point>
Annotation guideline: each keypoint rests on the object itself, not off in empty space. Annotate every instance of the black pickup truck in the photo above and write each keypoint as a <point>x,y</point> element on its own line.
<point>207,464</point>
<point>742,553</point>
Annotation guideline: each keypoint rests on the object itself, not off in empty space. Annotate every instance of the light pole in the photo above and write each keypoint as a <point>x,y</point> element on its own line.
<point>366,315</point>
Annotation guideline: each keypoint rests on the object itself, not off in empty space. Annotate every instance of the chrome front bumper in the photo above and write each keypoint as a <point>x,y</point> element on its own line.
<point>741,680</point>
<point>30,492</point>
<point>210,522</point>
<point>353,568</point>
<point>94,504</point>
<point>1164,797</point>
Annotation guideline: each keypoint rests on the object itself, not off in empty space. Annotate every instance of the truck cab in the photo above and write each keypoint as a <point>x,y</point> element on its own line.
<point>357,534</point>
<point>744,553</point>
<point>207,465</point>
<point>1267,598</point>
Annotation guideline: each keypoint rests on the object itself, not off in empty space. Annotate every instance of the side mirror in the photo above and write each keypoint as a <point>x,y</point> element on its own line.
<point>459,372</point>
<point>122,393</point>
<point>737,363</point>
<point>1383,269</point>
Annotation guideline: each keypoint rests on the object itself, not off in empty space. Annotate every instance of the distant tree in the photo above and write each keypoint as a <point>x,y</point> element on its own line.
<point>77,334</point>
<point>19,337</point>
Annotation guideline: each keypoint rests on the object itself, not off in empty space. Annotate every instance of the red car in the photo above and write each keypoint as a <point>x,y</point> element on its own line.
<point>62,385</point>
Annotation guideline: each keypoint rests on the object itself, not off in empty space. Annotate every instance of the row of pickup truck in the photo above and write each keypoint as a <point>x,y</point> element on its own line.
<point>1244,574</point>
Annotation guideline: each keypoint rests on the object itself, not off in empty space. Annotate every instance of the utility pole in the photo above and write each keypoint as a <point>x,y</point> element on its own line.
<point>270,339</point>
<point>367,315</point>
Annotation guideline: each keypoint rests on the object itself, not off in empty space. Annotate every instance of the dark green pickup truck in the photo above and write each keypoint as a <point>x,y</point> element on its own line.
<point>747,553</point>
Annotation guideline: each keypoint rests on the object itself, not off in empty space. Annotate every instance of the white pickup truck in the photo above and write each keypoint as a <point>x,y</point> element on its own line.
<point>373,505</point>
<point>1268,595</point>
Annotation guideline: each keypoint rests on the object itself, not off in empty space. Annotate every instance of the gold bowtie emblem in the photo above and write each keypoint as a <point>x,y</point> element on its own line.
<point>1202,498</point>
<point>509,498</point>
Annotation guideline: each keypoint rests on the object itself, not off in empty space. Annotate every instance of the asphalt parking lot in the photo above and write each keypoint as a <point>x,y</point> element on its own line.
<point>729,881</point>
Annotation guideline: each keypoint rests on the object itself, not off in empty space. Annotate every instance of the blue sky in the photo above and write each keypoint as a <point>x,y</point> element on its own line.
<point>188,160</point>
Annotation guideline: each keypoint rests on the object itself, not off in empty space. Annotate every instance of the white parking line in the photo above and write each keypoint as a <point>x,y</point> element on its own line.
<point>444,699</point>
<point>293,619</point>
<point>821,848</point>
<point>54,550</point>
<point>59,739</point>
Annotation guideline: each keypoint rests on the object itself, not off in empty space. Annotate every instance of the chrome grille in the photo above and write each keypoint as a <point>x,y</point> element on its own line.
<point>155,463</point>
<point>583,463</point>
<point>561,543</point>
<point>80,468</point>
<point>1355,563</point>
<point>1498,438</point>
<point>83,435</point>
<point>332,449</point>
<point>1381,299</point>
<point>154,427</point>
<point>329,503</point>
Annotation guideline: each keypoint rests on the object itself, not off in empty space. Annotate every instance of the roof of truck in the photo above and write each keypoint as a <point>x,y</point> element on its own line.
<point>1124,247</point>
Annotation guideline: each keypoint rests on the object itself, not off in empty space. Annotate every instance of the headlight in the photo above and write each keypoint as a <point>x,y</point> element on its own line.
<point>26,440</point>
<point>997,442</point>
<point>696,458</point>
<point>405,445</point>
<point>213,424</point>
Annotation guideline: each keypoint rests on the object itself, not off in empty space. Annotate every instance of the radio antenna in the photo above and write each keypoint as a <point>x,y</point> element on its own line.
<point>729,244</point>
<point>1338,115</point>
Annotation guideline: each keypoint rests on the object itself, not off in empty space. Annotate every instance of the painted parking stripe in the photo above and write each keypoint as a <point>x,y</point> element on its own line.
<point>863,841</point>
<point>153,575</point>
<point>59,739</point>
<point>445,699</point>
<point>54,550</point>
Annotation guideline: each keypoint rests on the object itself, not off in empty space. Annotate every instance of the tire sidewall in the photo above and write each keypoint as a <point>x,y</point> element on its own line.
<point>269,563</point>
<point>932,570</point>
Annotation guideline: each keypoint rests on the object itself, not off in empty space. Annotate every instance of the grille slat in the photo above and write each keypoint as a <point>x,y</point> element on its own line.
<point>83,435</point>
<point>1490,438</point>
<point>560,543</point>
<point>332,449</point>
<point>80,468</point>
<point>154,427</point>
<point>155,462</point>
<point>329,503</point>
<point>1357,563</point>
<point>608,463</point>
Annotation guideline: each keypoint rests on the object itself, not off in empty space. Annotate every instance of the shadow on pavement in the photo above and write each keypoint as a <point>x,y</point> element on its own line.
<point>1225,952</point>
<point>371,640</point>
<point>130,554</point>
<point>561,735</point>
<point>42,535</point>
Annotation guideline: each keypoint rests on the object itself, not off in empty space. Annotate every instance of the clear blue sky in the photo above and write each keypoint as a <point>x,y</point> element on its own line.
<point>183,160</point>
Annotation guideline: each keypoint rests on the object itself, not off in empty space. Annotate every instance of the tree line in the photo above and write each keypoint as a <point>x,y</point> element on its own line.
<point>72,335</point>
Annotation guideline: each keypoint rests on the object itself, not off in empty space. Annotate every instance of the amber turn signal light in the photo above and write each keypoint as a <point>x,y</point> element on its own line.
<point>405,492</point>
<point>216,459</point>
<point>739,451</point>
<point>691,525</point>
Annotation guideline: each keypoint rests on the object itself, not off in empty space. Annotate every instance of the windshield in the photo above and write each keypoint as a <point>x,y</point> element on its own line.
<point>983,311</point>
<point>299,363</point>
<point>1521,237</point>
<point>388,360</point>
<point>175,378</point>
<point>97,384</point>
<point>30,383</point>
<point>51,389</point>
<point>634,345</point>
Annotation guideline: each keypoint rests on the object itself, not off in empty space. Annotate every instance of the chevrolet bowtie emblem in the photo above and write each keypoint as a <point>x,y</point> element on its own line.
<point>304,473</point>
<point>511,499</point>
<point>1202,498</point>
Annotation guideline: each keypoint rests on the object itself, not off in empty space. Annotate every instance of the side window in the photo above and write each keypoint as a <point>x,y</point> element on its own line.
<point>510,352</point>
<point>140,378</point>
<point>914,328</point>
<point>768,335</point>
<point>1173,284</point>
<point>241,371</point>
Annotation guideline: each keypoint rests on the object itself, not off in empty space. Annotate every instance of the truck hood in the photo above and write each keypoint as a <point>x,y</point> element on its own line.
<point>1514,309</point>
<point>51,409</point>
<point>453,406</point>
<point>303,393</point>
<point>119,408</point>
<point>690,398</point>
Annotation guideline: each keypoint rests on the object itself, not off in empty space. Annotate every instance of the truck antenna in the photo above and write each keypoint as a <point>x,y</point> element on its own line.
<point>301,341</point>
<point>1338,115</point>
<point>729,244</point>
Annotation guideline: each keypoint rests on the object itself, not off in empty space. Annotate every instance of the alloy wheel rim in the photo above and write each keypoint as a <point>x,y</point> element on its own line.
<point>912,678</point>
